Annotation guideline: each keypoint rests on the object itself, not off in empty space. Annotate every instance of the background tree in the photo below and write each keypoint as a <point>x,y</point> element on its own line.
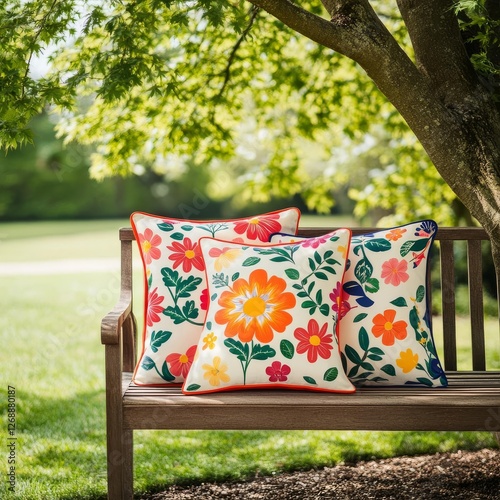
<point>176,77</point>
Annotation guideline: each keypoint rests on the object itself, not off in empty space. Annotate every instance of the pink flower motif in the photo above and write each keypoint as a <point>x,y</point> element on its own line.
<point>149,243</point>
<point>154,307</point>
<point>315,242</point>
<point>278,372</point>
<point>394,272</point>
<point>181,363</point>
<point>340,305</point>
<point>204,300</point>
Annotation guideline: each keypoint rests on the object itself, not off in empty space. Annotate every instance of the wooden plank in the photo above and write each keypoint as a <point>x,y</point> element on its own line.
<point>447,263</point>
<point>475,274</point>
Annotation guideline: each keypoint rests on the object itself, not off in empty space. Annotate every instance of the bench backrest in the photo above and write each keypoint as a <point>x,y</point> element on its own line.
<point>447,241</point>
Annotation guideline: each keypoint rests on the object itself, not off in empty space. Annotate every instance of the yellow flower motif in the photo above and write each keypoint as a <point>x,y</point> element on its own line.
<point>223,257</point>
<point>209,341</point>
<point>216,372</point>
<point>407,360</point>
<point>343,250</point>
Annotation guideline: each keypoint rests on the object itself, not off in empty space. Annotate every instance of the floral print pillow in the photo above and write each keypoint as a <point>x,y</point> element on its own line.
<point>385,332</point>
<point>272,317</point>
<point>176,295</point>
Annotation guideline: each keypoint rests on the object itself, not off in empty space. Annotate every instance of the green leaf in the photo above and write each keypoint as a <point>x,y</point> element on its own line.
<point>372,285</point>
<point>363,270</point>
<point>312,264</point>
<point>359,317</point>
<point>378,245</point>
<point>165,373</point>
<point>420,293</point>
<point>363,339</point>
<point>307,304</point>
<point>375,357</point>
<point>352,355</point>
<point>166,226</point>
<point>310,380</point>
<point>262,352</point>
<point>413,246</point>
<point>170,277</point>
<point>376,350</point>
<point>237,348</point>
<point>425,381</point>
<point>399,302</point>
<point>185,287</point>
<point>324,309</point>
<point>389,369</point>
<point>177,236</point>
<point>187,228</point>
<point>158,338</point>
<point>317,257</point>
<point>235,276</point>
<point>293,274</point>
<point>331,374</point>
<point>321,275</point>
<point>147,363</point>
<point>193,387</point>
<point>287,349</point>
<point>190,310</point>
<point>414,319</point>
<point>251,261</point>
<point>175,314</point>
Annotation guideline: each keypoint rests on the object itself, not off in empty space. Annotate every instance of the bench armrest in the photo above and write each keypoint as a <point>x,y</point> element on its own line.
<point>112,323</point>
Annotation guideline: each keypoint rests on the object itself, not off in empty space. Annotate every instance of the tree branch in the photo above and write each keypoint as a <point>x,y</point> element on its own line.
<point>439,51</point>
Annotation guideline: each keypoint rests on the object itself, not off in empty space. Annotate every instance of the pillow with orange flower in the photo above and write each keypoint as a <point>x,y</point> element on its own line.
<point>271,322</point>
<point>385,331</point>
<point>176,295</point>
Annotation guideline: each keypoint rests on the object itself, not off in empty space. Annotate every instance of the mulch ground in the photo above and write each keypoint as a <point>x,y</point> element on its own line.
<point>461,475</point>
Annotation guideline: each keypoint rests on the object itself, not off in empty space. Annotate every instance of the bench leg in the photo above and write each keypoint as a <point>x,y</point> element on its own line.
<point>120,466</point>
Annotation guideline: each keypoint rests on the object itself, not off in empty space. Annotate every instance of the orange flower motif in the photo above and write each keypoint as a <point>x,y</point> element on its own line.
<point>149,243</point>
<point>395,234</point>
<point>385,326</point>
<point>256,307</point>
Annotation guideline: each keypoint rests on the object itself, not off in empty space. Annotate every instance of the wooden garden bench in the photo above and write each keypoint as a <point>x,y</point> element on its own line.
<point>470,403</point>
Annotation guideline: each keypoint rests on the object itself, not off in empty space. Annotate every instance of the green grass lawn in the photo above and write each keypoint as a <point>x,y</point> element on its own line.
<point>52,356</point>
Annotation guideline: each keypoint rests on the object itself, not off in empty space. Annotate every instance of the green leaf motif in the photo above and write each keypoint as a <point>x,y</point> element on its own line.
<point>310,380</point>
<point>262,352</point>
<point>158,338</point>
<point>321,275</point>
<point>287,349</point>
<point>190,310</point>
<point>235,276</point>
<point>165,373</point>
<point>389,369</point>
<point>331,374</point>
<point>363,270</point>
<point>372,285</point>
<point>170,277</point>
<point>399,302</point>
<point>412,246</point>
<point>237,348</point>
<point>360,317</point>
<point>363,339</point>
<point>324,309</point>
<point>378,245</point>
<point>293,274</point>
<point>175,314</point>
<point>193,387</point>
<point>353,355</point>
<point>185,287</point>
<point>147,363</point>
<point>425,381</point>
<point>177,236</point>
<point>166,226</point>
<point>187,228</point>
<point>420,293</point>
<point>251,261</point>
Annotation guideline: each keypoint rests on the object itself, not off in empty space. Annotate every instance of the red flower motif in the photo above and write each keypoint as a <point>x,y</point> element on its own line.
<point>204,300</point>
<point>181,363</point>
<point>278,372</point>
<point>154,307</point>
<point>340,306</point>
<point>188,254</point>
<point>259,228</point>
<point>149,243</point>
<point>314,341</point>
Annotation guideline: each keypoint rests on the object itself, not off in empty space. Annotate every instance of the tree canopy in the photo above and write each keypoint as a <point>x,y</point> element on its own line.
<point>146,81</point>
